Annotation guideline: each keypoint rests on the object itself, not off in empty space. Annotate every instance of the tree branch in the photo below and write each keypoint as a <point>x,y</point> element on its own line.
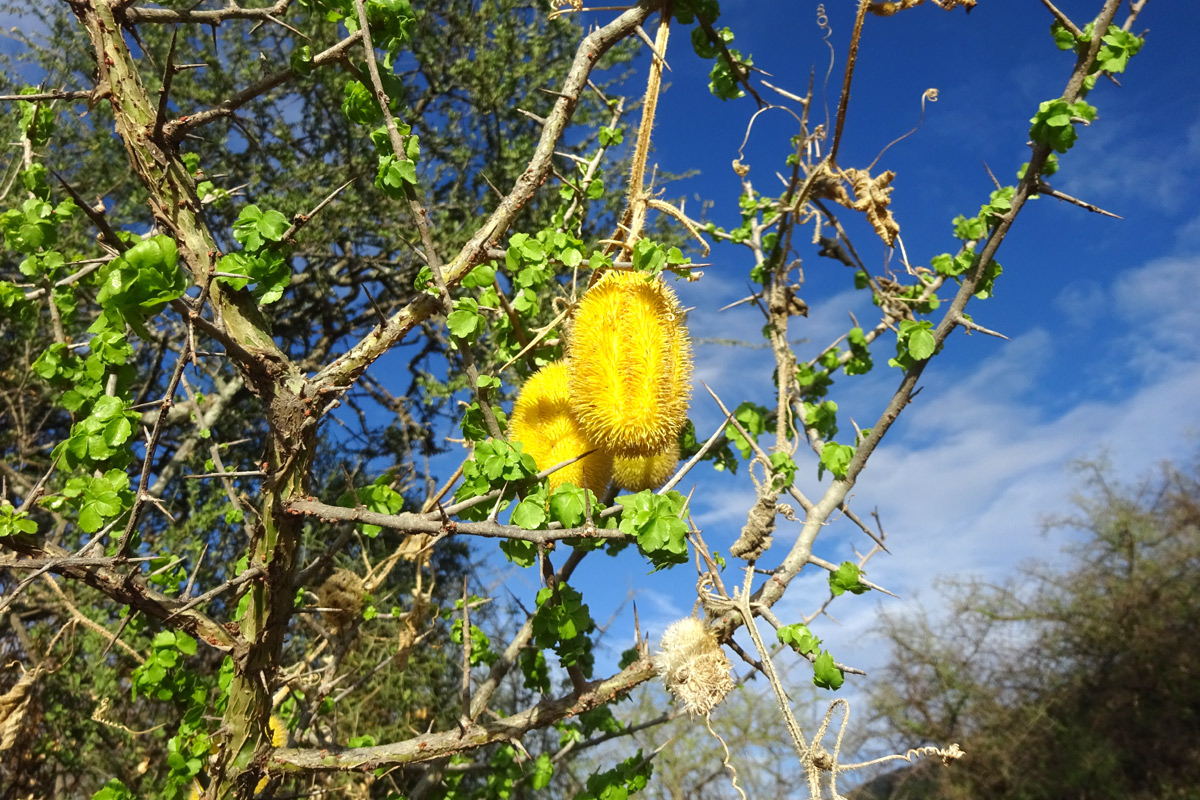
<point>415,523</point>
<point>438,745</point>
<point>341,373</point>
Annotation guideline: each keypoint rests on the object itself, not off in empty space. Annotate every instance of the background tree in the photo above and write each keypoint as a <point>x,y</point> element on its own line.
<point>306,196</point>
<point>1075,682</point>
<point>292,138</point>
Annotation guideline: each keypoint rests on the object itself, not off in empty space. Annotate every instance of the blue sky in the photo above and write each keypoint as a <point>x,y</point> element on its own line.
<point>1104,357</point>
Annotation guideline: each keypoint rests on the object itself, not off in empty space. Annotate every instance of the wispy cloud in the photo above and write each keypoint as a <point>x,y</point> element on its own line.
<point>964,490</point>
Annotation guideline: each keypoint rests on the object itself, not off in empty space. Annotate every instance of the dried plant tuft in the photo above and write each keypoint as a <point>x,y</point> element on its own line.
<point>342,591</point>
<point>693,666</point>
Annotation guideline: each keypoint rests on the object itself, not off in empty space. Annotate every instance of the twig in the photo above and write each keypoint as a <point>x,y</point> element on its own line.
<point>346,369</point>
<point>1063,19</point>
<point>250,573</point>
<point>464,718</point>
<point>175,130</point>
<point>844,99</point>
<point>91,625</point>
<point>1045,188</point>
<point>416,523</point>
<point>61,95</point>
<point>136,15</point>
<point>301,220</point>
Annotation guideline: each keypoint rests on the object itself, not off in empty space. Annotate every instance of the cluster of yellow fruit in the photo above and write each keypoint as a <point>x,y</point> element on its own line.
<point>622,390</point>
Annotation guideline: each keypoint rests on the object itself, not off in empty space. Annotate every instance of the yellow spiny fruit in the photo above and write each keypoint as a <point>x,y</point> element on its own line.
<point>631,364</point>
<point>279,732</point>
<point>542,421</point>
<point>650,472</point>
<point>279,737</point>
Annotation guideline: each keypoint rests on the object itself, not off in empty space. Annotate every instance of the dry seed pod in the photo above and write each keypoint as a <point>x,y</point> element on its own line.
<point>693,666</point>
<point>638,473</point>
<point>543,423</point>
<point>631,364</point>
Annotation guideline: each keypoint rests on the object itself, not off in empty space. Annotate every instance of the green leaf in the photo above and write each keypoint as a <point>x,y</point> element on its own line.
<point>13,522</point>
<point>519,552</point>
<point>611,136</point>
<point>1063,38</point>
<point>1053,126</point>
<point>846,579</point>
<point>753,419</point>
<point>245,228</point>
<point>571,257</point>
<point>300,60</point>
<point>394,174</point>
<point>567,505</point>
<point>562,621</point>
<point>378,496</point>
<point>835,458</point>
<point>117,431</point>
<point>914,342</point>
<point>648,257</point>
<point>535,670</point>
<point>481,276</point>
<point>822,417</point>
<point>543,771</point>
<point>825,674</point>
<point>921,344</point>
<point>185,643</point>
<point>499,460</point>
<point>1117,47</point>
<point>598,260</point>
<point>530,513</point>
<point>705,47</point>
<point>359,105</point>
<point>969,229</point>
<point>113,790</point>
<point>474,427</point>
<point>465,322</point>
<point>723,83</point>
<point>653,520</point>
<point>35,180</point>
<point>272,225</point>
<point>799,638</point>
<point>987,281</point>
<point>784,468</point>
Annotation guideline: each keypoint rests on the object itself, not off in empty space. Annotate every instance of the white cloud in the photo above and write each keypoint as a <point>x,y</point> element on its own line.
<point>1081,303</point>
<point>1123,175</point>
<point>1157,304</point>
<point>964,489</point>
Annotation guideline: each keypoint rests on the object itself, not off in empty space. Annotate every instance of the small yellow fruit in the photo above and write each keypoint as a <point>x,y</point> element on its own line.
<point>638,473</point>
<point>543,422</point>
<point>279,731</point>
<point>631,364</point>
<point>279,737</point>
